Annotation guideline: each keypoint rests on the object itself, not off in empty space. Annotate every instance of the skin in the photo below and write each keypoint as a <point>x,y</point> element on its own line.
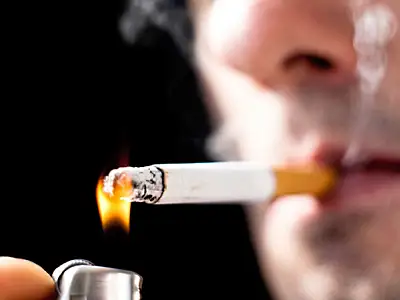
<point>280,113</point>
<point>273,106</point>
<point>33,282</point>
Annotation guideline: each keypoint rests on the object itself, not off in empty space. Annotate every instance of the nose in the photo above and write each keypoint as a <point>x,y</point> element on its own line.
<point>300,42</point>
<point>313,44</point>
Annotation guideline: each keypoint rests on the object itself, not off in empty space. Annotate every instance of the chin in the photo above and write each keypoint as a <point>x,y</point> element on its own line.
<point>308,250</point>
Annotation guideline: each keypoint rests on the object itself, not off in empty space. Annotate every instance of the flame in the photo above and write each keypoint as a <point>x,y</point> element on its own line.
<point>112,209</point>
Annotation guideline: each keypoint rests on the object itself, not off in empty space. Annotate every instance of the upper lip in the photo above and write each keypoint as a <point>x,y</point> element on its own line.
<point>367,162</point>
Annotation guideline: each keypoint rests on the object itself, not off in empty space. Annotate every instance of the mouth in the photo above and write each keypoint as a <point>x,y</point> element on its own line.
<point>373,183</point>
<point>381,165</point>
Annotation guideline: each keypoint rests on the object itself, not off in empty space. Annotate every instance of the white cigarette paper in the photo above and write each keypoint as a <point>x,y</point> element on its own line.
<point>228,182</point>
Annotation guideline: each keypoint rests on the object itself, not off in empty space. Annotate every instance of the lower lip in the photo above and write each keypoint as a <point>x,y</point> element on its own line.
<point>365,189</point>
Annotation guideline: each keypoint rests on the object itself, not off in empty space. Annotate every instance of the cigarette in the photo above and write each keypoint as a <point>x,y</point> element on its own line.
<point>227,182</point>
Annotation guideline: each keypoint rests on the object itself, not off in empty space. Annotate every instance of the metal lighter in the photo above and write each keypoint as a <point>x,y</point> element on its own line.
<point>81,280</point>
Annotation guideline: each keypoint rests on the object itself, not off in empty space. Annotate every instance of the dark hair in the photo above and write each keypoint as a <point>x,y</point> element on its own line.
<point>169,15</point>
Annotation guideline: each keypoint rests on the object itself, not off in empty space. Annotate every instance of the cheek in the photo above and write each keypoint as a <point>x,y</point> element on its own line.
<point>256,119</point>
<point>238,38</point>
<point>228,28</point>
<point>249,113</point>
<point>390,87</point>
<point>260,130</point>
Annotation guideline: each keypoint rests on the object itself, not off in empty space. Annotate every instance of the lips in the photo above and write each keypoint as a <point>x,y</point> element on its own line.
<point>374,183</point>
<point>382,165</point>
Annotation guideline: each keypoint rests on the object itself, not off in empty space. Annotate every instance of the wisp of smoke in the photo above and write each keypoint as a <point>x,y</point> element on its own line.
<point>169,15</point>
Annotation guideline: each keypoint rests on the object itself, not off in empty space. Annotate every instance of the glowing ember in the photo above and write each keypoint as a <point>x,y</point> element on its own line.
<point>111,208</point>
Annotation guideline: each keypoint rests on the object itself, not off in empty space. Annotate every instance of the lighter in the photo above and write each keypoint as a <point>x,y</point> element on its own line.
<point>81,280</point>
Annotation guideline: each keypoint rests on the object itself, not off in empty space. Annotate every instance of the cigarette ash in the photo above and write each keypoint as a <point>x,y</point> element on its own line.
<point>145,184</point>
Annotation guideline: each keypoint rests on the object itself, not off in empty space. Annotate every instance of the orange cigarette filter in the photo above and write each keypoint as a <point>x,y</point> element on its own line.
<point>315,180</point>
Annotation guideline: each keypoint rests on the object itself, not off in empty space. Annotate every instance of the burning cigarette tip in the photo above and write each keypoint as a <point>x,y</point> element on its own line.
<point>144,184</point>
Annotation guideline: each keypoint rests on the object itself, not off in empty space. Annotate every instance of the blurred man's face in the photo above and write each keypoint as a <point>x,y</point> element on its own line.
<point>287,86</point>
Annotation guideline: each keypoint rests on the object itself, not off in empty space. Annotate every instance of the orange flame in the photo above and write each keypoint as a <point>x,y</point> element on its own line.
<point>112,209</point>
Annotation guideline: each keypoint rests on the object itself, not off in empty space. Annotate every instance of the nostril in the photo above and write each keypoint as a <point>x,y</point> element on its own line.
<point>315,62</point>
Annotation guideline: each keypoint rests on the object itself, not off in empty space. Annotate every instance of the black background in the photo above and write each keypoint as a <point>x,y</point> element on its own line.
<point>81,102</point>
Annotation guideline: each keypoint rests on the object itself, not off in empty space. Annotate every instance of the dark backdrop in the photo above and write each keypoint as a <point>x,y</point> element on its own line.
<point>82,102</point>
